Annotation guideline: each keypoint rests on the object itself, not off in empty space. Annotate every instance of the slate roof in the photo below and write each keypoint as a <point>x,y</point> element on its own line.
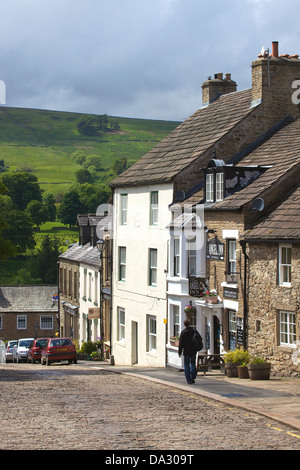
<point>85,254</point>
<point>283,223</point>
<point>188,141</point>
<point>281,152</point>
<point>37,298</point>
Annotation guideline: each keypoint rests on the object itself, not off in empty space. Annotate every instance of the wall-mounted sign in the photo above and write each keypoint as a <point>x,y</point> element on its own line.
<point>94,313</point>
<point>240,330</point>
<point>230,293</point>
<point>215,249</point>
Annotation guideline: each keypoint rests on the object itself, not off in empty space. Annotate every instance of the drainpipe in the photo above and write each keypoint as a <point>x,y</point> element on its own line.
<point>246,258</point>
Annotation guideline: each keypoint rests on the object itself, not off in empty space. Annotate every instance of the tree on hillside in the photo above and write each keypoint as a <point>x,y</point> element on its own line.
<point>50,207</point>
<point>69,208</point>
<point>120,165</point>
<point>19,231</point>
<point>37,212</point>
<point>93,160</point>
<point>7,249</point>
<point>83,176</point>
<point>43,264</point>
<point>22,188</point>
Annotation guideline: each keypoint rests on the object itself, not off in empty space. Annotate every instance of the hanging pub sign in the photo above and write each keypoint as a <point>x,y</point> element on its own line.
<point>215,249</point>
<point>197,286</point>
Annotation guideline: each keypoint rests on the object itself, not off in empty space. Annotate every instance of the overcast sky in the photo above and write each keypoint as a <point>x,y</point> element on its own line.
<point>134,58</point>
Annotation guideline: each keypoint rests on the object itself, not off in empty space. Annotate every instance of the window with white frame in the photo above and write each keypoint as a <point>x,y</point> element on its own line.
<point>219,186</point>
<point>151,333</point>
<point>209,187</point>
<point>121,324</point>
<point>152,267</point>
<point>123,208</point>
<point>154,208</point>
<point>46,322</point>
<point>175,321</point>
<point>287,326</point>
<point>122,263</point>
<point>22,322</point>
<point>191,256</point>
<point>231,261</point>
<point>232,323</point>
<point>285,265</point>
<point>176,267</point>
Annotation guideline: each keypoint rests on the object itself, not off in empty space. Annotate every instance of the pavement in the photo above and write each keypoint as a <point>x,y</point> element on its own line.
<point>277,398</point>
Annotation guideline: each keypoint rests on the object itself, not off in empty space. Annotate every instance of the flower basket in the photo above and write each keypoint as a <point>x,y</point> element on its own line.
<point>174,342</point>
<point>189,310</point>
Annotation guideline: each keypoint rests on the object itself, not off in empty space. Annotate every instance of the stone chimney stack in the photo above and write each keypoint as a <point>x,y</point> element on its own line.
<point>213,88</point>
<point>272,79</point>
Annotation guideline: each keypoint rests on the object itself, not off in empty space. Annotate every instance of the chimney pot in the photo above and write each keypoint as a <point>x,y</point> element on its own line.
<point>275,49</point>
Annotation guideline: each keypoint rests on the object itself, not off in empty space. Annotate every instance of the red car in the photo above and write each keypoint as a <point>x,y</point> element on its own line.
<point>35,352</point>
<point>57,350</point>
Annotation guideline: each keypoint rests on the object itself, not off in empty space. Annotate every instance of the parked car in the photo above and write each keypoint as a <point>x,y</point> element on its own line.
<point>35,352</point>
<point>9,349</point>
<point>20,350</point>
<point>57,350</point>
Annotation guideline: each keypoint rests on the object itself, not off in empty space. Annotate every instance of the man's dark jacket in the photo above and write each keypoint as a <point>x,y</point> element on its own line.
<point>186,343</point>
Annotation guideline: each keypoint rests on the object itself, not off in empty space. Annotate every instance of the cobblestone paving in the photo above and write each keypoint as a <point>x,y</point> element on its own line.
<point>70,407</point>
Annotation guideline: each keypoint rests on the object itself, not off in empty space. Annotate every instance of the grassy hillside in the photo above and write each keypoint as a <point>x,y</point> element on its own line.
<point>43,142</point>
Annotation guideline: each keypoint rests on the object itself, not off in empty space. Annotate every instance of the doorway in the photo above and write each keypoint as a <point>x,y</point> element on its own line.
<point>216,335</point>
<point>134,342</point>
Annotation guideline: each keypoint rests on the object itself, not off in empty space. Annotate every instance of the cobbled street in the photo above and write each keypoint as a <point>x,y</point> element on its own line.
<point>68,407</point>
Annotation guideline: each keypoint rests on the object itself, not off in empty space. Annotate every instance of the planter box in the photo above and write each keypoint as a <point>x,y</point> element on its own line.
<point>212,300</point>
<point>231,370</point>
<point>174,342</point>
<point>243,372</point>
<point>259,371</point>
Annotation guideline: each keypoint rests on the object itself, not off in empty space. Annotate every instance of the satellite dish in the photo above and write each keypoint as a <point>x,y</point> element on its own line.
<point>263,50</point>
<point>258,204</point>
<point>180,195</point>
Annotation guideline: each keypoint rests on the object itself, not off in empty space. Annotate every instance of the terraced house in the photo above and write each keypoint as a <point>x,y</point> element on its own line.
<point>237,159</point>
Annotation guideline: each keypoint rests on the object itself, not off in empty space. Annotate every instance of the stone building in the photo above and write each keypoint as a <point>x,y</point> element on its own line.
<point>273,285</point>
<point>226,157</point>
<point>28,311</point>
<point>84,309</point>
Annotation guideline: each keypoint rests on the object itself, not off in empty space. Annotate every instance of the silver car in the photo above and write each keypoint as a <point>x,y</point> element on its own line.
<point>20,350</point>
<point>9,349</point>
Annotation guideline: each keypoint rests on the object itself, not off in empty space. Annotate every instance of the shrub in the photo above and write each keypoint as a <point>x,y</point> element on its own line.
<point>237,356</point>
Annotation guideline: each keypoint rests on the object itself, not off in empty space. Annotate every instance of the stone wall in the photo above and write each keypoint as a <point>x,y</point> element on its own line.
<point>266,299</point>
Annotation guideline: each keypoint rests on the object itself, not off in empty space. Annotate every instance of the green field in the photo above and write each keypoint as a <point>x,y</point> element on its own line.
<point>42,142</point>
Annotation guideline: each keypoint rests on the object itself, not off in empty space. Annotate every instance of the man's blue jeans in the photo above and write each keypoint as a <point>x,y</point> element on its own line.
<point>190,368</point>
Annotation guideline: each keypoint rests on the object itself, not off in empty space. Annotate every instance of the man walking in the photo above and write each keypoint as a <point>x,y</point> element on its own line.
<point>189,349</point>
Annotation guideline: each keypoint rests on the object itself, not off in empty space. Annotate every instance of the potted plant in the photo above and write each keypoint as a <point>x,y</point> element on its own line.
<point>96,355</point>
<point>233,359</point>
<point>212,297</point>
<point>174,341</point>
<point>259,369</point>
<point>243,372</point>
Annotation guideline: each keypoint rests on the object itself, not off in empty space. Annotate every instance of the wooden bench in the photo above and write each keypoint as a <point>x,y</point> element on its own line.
<point>206,361</point>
